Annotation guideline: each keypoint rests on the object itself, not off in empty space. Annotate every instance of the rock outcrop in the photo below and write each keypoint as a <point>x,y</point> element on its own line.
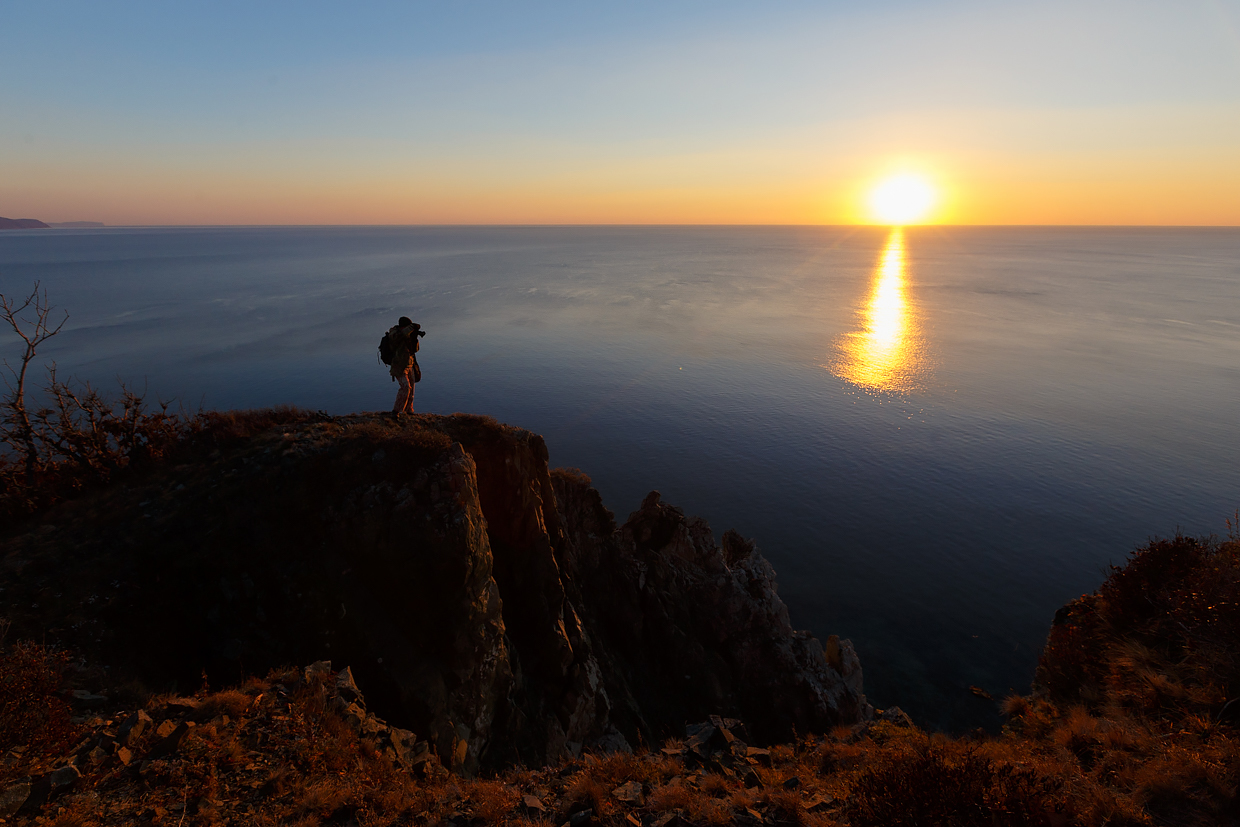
<point>483,602</point>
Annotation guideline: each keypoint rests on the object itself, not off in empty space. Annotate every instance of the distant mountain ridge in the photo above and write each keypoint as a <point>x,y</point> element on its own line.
<point>21,224</point>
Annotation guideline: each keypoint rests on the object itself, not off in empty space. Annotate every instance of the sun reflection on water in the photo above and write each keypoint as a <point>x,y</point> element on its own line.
<point>886,352</point>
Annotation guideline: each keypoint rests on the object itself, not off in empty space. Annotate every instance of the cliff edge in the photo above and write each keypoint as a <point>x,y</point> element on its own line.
<point>484,602</point>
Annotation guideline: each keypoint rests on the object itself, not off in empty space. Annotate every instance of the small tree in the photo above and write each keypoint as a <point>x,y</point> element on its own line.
<point>32,321</point>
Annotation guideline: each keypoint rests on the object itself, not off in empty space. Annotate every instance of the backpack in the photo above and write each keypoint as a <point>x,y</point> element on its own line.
<point>387,347</point>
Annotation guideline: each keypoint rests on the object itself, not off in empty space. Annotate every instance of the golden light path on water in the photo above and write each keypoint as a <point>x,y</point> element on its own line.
<point>886,353</point>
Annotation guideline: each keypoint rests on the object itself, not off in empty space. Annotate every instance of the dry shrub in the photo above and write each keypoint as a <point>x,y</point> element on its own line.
<point>321,799</point>
<point>231,702</point>
<point>491,800</point>
<point>715,785</point>
<point>787,806</point>
<point>223,429</point>
<point>744,797</point>
<point>1079,733</point>
<point>665,798</point>
<point>710,811</point>
<point>1016,706</point>
<point>32,712</point>
<point>1178,781</point>
<point>584,791</point>
<point>952,785</point>
<point>572,475</point>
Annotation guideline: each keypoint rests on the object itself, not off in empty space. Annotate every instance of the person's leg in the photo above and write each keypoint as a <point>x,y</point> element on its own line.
<point>404,396</point>
<point>409,384</point>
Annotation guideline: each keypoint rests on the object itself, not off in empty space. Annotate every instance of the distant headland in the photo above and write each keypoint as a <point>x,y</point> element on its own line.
<point>36,224</point>
<point>21,224</point>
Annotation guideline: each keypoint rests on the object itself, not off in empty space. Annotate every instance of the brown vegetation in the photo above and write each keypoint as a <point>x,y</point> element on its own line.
<point>1153,741</point>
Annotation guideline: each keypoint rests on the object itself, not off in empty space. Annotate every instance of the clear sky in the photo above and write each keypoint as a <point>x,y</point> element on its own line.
<point>678,111</point>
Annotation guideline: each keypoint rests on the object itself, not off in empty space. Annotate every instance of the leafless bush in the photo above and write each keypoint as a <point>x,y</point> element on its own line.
<point>77,436</point>
<point>32,321</point>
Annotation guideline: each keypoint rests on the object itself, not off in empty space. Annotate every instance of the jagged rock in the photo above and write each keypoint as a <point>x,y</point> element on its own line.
<point>630,793</point>
<point>49,787</point>
<point>683,626</point>
<point>132,729</point>
<point>14,796</point>
<point>346,687</point>
<point>749,777</point>
<point>169,743</point>
<point>758,755</point>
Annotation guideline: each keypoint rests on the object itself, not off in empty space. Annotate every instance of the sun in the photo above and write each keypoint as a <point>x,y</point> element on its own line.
<point>902,199</point>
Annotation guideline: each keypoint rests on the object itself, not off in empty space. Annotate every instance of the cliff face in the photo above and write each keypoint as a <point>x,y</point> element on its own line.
<point>490,606</point>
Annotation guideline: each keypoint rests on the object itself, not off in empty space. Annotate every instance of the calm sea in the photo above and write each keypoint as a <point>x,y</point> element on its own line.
<point>938,436</point>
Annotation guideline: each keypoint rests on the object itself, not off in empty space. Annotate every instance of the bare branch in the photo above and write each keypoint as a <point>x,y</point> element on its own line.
<point>34,331</point>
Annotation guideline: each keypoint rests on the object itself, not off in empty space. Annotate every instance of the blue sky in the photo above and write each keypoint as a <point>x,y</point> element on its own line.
<point>559,112</point>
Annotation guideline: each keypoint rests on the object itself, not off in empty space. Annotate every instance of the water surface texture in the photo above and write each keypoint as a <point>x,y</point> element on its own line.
<point>937,435</point>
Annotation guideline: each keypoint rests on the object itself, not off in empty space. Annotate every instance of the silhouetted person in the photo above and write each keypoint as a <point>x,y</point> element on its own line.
<point>398,349</point>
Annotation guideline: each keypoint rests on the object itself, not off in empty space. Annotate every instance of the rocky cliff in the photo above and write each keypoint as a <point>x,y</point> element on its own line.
<point>489,605</point>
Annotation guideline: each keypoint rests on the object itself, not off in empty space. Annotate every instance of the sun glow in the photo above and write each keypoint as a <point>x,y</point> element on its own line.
<point>902,199</point>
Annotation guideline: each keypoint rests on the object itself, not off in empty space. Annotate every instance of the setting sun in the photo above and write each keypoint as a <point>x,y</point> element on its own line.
<point>902,199</point>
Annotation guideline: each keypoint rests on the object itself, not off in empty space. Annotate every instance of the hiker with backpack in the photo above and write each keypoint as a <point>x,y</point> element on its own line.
<point>397,349</point>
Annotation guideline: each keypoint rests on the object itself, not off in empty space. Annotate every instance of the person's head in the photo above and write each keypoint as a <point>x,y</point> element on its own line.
<point>405,321</point>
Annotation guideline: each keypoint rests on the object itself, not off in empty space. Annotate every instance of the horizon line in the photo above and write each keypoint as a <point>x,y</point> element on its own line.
<point>103,226</point>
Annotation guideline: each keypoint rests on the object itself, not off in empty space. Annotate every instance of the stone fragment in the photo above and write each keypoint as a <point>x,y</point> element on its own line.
<point>630,793</point>
<point>758,755</point>
<point>749,777</point>
<point>134,727</point>
<point>14,796</point>
<point>166,728</point>
<point>581,818</point>
<point>697,739</point>
<point>181,707</point>
<point>532,805</point>
<point>818,802</point>
<point>125,756</point>
<point>169,743</point>
<point>792,783</point>
<point>346,687</point>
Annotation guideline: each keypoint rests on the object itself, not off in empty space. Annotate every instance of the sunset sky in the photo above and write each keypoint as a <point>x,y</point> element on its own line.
<point>1078,112</point>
